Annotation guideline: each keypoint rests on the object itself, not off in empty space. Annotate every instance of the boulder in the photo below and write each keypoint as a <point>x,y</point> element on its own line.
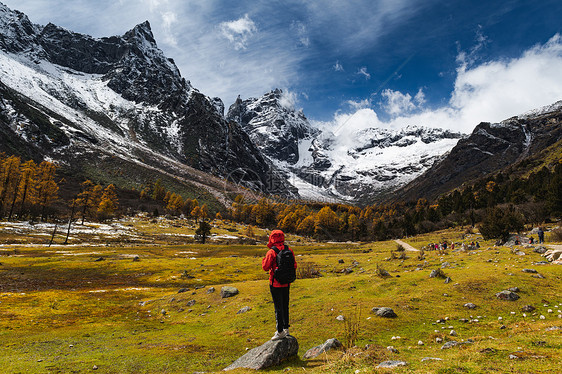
<point>244,310</point>
<point>316,351</point>
<point>540,249</point>
<point>228,291</point>
<point>271,353</point>
<point>470,306</point>
<point>391,364</point>
<point>384,312</point>
<point>507,295</point>
<point>532,271</point>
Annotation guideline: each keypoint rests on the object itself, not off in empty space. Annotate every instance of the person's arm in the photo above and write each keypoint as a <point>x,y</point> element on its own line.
<point>268,260</point>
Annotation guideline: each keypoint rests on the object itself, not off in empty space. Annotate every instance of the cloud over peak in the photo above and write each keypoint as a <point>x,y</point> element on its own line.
<point>238,31</point>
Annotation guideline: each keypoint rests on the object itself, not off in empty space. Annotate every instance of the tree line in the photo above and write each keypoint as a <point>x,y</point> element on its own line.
<point>499,203</point>
<point>30,190</point>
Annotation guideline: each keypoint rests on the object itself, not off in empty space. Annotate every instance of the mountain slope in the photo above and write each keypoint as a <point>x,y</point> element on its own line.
<point>491,148</point>
<point>67,96</point>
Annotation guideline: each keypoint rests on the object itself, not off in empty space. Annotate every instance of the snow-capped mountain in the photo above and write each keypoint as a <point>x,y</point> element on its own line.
<point>361,165</point>
<point>78,99</point>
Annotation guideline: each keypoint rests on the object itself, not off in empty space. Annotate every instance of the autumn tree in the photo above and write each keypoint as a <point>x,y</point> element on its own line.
<point>9,180</point>
<point>326,223</point>
<point>85,199</point>
<point>46,189</point>
<point>28,175</point>
<point>108,203</point>
<point>175,203</point>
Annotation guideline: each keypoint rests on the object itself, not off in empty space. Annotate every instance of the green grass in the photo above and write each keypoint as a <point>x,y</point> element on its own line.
<point>62,311</point>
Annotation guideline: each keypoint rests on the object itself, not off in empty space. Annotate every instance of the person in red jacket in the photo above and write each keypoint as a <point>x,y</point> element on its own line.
<point>279,291</point>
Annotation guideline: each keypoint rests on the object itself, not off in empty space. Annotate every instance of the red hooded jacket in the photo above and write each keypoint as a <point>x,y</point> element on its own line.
<point>269,262</point>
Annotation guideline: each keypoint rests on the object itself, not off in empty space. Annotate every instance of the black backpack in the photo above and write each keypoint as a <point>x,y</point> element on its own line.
<point>285,272</point>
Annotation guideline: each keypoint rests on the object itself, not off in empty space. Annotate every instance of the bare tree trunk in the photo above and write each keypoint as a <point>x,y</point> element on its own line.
<point>53,236</point>
<point>70,221</point>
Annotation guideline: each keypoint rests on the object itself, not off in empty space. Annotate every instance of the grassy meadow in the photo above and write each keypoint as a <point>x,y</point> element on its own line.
<point>108,302</point>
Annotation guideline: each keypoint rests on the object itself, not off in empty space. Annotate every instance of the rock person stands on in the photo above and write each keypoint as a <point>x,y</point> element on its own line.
<point>279,290</point>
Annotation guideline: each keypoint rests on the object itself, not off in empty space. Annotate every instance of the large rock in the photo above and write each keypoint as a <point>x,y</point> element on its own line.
<point>507,295</point>
<point>268,354</point>
<point>316,351</point>
<point>384,312</point>
<point>228,291</point>
<point>391,364</point>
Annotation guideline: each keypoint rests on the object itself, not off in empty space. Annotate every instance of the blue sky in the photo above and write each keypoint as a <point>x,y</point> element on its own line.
<point>384,63</point>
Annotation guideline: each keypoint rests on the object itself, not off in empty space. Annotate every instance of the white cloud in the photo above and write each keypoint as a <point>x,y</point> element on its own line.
<point>288,99</point>
<point>356,105</point>
<point>169,19</point>
<point>238,31</point>
<point>489,92</point>
<point>363,71</point>
<point>338,66</point>
<point>302,33</point>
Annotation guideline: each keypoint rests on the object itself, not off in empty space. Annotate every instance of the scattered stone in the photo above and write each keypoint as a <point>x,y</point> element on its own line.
<point>391,364</point>
<point>464,320</point>
<point>454,343</point>
<point>540,249</point>
<point>507,296</point>
<point>434,273</point>
<point>136,259</point>
<point>340,318</point>
<point>384,312</point>
<point>228,291</point>
<point>190,303</point>
<point>211,290</point>
<point>553,328</point>
<point>244,310</point>
<point>514,289</point>
<point>163,312</point>
<point>532,271</point>
<point>528,308</point>
<point>438,340</point>
<point>99,259</point>
<point>538,276</point>
<point>470,306</point>
<point>445,265</point>
<point>95,367</point>
<point>540,343</point>
<point>541,263</point>
<point>542,317</point>
<point>341,261</point>
<point>448,280</point>
<point>420,342</point>
<point>453,333</point>
<point>271,353</point>
<point>395,338</point>
<point>431,359</point>
<point>488,350</point>
<point>182,290</point>
<point>392,349</point>
<point>318,350</point>
<point>502,327</point>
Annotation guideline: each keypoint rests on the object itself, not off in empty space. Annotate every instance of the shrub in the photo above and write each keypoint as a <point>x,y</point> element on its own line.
<point>499,222</point>
<point>556,235</point>
<point>308,270</point>
<point>351,328</point>
<point>400,248</point>
<point>381,272</point>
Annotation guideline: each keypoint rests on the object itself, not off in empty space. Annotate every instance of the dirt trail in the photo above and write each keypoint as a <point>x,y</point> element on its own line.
<point>407,246</point>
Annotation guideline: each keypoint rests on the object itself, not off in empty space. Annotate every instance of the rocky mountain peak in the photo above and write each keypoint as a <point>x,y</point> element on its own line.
<point>141,33</point>
<point>17,33</point>
<point>273,124</point>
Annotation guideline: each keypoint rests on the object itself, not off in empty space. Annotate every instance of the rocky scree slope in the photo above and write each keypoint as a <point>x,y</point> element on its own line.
<point>79,99</point>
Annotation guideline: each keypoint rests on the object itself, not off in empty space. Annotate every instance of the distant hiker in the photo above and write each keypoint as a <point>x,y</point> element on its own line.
<point>281,264</point>
<point>531,240</point>
<point>541,235</point>
<point>445,245</point>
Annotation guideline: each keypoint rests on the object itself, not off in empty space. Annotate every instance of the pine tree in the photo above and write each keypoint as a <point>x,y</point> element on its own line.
<point>85,199</point>
<point>29,172</point>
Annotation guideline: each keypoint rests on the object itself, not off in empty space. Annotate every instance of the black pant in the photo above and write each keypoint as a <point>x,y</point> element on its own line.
<point>281,302</point>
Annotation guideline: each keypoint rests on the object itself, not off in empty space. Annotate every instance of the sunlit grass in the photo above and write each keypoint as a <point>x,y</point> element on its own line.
<point>117,306</point>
